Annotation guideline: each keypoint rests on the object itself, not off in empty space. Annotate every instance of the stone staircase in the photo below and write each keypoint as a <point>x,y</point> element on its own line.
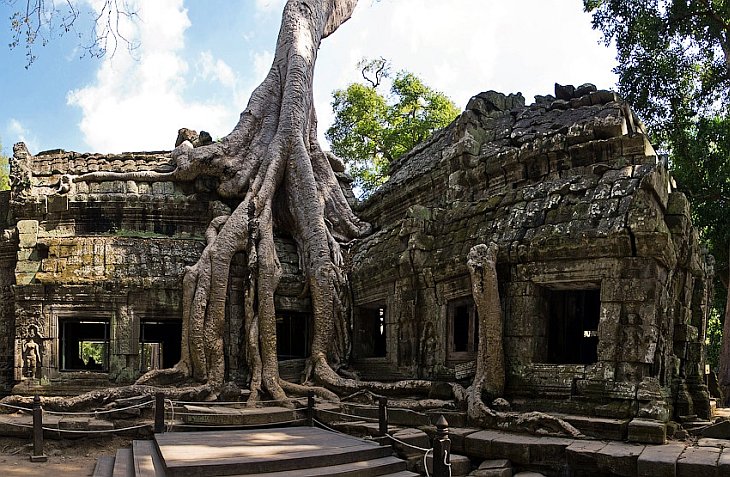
<point>279,452</point>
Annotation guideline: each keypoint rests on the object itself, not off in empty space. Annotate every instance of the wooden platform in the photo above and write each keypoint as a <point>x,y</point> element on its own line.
<point>290,451</point>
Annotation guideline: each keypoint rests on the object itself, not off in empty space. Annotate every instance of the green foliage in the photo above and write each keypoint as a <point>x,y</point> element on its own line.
<point>674,68</point>
<point>672,57</point>
<point>701,165</point>
<point>4,170</point>
<point>95,350</point>
<point>714,339</point>
<point>371,130</point>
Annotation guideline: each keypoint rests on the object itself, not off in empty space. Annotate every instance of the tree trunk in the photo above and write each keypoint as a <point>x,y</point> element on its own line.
<point>481,262</point>
<point>272,152</point>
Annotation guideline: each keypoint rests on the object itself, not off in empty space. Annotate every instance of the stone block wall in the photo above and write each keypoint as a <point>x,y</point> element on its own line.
<point>575,196</point>
<point>112,251</point>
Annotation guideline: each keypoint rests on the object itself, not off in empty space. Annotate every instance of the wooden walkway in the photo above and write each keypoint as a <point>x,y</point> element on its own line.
<point>285,451</point>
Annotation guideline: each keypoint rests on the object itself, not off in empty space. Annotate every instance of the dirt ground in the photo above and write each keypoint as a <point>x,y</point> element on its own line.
<point>66,458</point>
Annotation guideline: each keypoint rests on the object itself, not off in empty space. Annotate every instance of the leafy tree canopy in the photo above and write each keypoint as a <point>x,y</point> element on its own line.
<point>4,170</point>
<point>372,129</point>
<point>673,56</point>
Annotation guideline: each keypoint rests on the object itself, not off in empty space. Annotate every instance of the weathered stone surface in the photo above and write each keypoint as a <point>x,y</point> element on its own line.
<point>719,430</point>
<point>460,465</point>
<point>582,455</point>
<point>479,444</point>
<point>570,188</point>
<point>723,463</point>
<point>647,431</point>
<point>413,437</point>
<point>696,461</point>
<point>458,435</point>
<point>619,458</point>
<point>660,461</point>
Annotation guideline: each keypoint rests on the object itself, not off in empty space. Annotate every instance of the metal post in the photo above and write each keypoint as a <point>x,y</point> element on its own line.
<point>159,412</point>
<point>310,408</point>
<point>38,455</point>
<point>442,449</point>
<point>383,416</point>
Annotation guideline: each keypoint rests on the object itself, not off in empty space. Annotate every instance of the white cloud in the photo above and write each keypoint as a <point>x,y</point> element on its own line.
<point>463,47</point>
<point>267,6</point>
<point>139,103</point>
<point>15,131</point>
<point>262,61</point>
<point>212,69</point>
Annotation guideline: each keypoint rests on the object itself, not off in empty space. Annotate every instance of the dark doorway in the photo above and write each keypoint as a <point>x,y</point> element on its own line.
<point>292,335</point>
<point>463,330</point>
<point>371,331</point>
<point>573,326</point>
<point>159,344</point>
<point>84,345</point>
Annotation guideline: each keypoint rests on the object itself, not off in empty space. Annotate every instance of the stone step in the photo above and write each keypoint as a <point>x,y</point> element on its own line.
<point>290,462</point>
<point>104,466</point>
<point>235,416</point>
<point>365,468</point>
<point>402,473</point>
<point>123,463</point>
<point>598,427</point>
<point>147,462</point>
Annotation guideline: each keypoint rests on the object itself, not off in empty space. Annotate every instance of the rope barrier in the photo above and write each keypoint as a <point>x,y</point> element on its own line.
<point>18,408</point>
<point>421,449</point>
<point>223,403</point>
<point>361,418</point>
<point>172,415</point>
<point>95,413</point>
<point>325,426</point>
<point>80,431</point>
<point>239,426</point>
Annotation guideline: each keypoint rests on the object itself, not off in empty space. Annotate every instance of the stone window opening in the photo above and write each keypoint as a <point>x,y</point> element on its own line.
<point>159,344</point>
<point>292,335</point>
<point>463,329</point>
<point>84,345</point>
<point>572,327</point>
<point>371,331</point>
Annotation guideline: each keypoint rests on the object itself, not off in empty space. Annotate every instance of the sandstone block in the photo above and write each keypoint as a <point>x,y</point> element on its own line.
<point>696,461</point>
<point>619,458</point>
<point>659,461</point>
<point>460,465</point>
<point>647,431</point>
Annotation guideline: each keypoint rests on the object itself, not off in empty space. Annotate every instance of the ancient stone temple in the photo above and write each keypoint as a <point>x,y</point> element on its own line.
<point>604,288</point>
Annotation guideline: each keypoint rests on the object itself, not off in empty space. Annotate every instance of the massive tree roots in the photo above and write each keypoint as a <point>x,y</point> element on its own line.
<point>273,167</point>
<point>275,172</point>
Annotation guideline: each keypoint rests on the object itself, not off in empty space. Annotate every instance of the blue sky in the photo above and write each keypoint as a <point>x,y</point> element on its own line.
<point>199,60</point>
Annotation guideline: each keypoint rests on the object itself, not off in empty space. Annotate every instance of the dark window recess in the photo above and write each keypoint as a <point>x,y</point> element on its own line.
<point>84,345</point>
<point>573,326</point>
<point>463,338</point>
<point>292,335</point>
<point>159,344</point>
<point>371,332</point>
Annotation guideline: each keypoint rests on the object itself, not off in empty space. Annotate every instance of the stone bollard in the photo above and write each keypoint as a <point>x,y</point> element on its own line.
<point>159,412</point>
<point>383,417</point>
<point>442,449</point>
<point>38,455</point>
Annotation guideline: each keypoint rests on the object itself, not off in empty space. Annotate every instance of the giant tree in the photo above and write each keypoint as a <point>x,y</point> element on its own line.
<point>272,166</point>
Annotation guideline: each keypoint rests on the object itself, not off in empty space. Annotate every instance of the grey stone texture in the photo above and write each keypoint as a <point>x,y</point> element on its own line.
<point>569,188</point>
<point>577,199</point>
<point>112,251</point>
